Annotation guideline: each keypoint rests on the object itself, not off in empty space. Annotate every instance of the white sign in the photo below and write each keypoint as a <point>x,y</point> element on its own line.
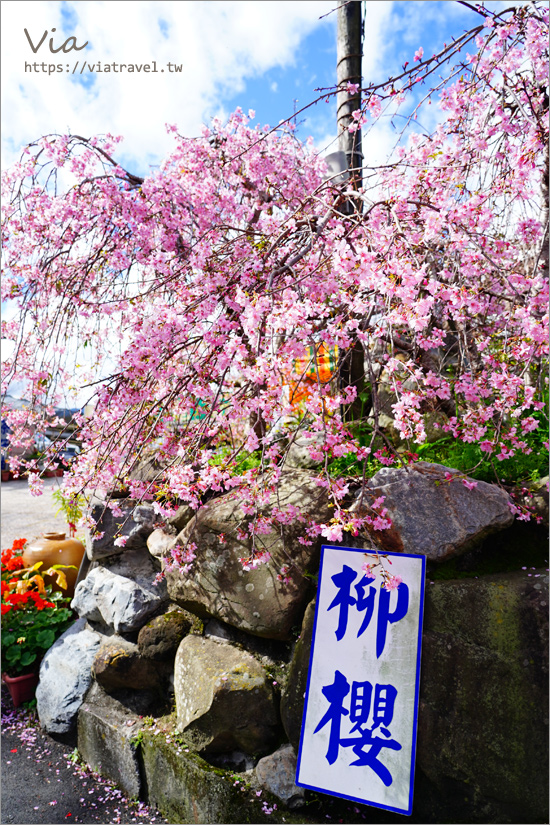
<point>360,713</point>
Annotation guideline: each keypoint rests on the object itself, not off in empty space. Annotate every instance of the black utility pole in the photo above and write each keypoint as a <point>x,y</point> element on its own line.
<point>349,53</point>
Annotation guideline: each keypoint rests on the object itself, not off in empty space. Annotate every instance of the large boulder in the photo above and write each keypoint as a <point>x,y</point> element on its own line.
<point>121,592</point>
<point>65,676</point>
<point>224,701</point>
<point>482,749</point>
<point>432,512</point>
<point>260,601</point>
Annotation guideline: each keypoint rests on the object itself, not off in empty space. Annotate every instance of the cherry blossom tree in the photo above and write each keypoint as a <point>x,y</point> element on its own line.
<point>208,298</point>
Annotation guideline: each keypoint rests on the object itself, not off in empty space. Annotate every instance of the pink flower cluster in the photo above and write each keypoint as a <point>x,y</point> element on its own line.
<point>180,558</point>
<point>223,278</point>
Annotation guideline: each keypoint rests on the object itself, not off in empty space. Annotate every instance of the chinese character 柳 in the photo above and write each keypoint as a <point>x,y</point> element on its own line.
<point>343,600</point>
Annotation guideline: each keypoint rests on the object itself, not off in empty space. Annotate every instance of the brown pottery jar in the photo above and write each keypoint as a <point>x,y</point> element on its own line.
<point>54,548</point>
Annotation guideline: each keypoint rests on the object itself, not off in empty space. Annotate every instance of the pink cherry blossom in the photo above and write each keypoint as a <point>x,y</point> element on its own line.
<point>213,302</point>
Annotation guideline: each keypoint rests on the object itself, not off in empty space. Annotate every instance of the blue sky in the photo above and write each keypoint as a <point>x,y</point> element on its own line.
<point>258,55</point>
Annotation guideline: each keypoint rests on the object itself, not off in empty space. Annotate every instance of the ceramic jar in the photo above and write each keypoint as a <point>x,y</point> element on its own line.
<point>54,548</point>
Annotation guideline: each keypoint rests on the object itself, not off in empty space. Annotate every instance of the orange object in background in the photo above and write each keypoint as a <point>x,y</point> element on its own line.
<point>54,548</point>
<point>317,365</point>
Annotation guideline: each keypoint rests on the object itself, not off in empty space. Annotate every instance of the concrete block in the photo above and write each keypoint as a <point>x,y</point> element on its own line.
<point>108,740</point>
<point>189,790</point>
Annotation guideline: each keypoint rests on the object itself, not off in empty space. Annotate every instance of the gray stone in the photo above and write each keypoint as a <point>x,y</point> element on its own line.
<point>160,637</point>
<point>144,514</point>
<point>483,720</point>
<point>138,565</point>
<point>298,455</point>
<point>121,593</point>
<point>119,664</point>
<point>294,690</point>
<point>271,653</point>
<point>255,600</point>
<point>224,701</point>
<point>65,676</point>
<point>431,515</point>
<point>276,773</point>
<point>100,543</point>
<point>108,735</point>
<point>160,542</point>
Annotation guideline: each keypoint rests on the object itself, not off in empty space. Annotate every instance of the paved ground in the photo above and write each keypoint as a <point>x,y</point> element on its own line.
<point>42,782</point>
<point>26,516</point>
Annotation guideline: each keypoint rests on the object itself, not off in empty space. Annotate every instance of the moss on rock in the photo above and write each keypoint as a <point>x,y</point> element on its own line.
<point>483,712</point>
<point>187,789</point>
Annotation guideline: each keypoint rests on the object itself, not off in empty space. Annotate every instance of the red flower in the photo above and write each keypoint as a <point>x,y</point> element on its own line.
<point>18,598</point>
<point>8,559</point>
<point>6,608</point>
<point>16,563</point>
<point>39,602</point>
<point>18,544</point>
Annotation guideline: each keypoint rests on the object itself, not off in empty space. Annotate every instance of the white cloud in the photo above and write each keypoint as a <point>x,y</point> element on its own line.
<point>218,45</point>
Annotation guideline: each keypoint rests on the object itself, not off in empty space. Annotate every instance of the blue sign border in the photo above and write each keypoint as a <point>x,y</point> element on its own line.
<point>363,550</point>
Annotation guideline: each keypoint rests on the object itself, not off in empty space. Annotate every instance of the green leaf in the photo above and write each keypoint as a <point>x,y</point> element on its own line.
<point>27,658</point>
<point>45,638</point>
<point>13,654</point>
